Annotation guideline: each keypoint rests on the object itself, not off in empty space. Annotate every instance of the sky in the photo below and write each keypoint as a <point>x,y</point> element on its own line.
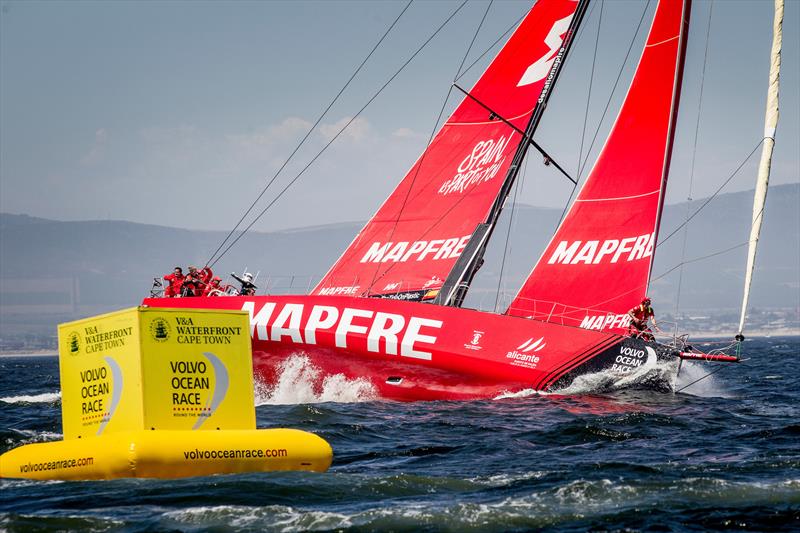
<point>179,113</point>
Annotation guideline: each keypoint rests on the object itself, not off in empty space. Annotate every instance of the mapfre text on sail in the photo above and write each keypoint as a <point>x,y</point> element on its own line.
<point>611,250</point>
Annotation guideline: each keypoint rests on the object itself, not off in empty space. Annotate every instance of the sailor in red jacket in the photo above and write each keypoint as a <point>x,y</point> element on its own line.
<point>174,283</point>
<point>206,274</point>
<point>640,315</point>
<point>192,283</point>
<point>213,287</point>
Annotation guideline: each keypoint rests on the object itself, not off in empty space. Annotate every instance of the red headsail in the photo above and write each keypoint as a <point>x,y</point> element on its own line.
<point>598,264</point>
<point>412,242</point>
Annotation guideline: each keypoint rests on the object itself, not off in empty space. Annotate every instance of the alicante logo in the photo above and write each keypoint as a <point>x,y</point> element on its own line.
<point>74,341</point>
<point>159,329</point>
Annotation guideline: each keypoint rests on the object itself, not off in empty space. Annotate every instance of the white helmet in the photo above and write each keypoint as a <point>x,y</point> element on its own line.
<point>247,277</point>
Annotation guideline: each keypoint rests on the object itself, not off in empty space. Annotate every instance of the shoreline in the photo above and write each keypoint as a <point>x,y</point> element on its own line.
<point>693,337</point>
<point>30,353</point>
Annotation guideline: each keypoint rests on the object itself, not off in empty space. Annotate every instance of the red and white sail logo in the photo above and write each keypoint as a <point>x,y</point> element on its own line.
<point>538,70</point>
<point>481,164</point>
<point>400,252</point>
<point>609,250</point>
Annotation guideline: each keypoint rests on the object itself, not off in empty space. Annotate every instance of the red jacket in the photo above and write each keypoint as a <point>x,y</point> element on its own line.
<point>641,313</point>
<point>174,283</point>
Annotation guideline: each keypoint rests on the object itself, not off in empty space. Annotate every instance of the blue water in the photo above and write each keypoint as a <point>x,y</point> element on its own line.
<point>722,455</point>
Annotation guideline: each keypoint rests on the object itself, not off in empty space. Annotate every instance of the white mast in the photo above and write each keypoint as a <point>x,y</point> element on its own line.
<point>770,123</point>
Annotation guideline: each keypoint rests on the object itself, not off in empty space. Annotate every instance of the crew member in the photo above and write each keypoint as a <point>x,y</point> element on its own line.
<point>192,283</point>
<point>213,287</point>
<point>206,274</point>
<point>640,315</point>
<point>174,283</point>
<point>248,288</point>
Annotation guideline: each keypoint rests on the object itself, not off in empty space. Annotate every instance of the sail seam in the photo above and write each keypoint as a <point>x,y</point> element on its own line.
<point>525,114</point>
<point>618,197</point>
<point>662,42</point>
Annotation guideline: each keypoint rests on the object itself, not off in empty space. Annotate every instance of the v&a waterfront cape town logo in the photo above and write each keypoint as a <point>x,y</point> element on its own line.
<point>160,329</point>
<point>74,343</point>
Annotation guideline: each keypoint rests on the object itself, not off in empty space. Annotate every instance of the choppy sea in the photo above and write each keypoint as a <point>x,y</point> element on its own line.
<point>722,454</point>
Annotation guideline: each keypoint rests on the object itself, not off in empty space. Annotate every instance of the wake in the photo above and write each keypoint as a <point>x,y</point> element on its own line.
<point>45,397</point>
<point>664,377</point>
<point>299,381</point>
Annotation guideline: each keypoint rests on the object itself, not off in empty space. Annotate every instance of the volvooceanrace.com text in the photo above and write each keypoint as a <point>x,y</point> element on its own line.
<point>197,454</point>
<point>56,465</point>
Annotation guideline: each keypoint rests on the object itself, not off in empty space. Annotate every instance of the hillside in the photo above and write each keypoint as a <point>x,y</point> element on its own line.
<point>52,271</point>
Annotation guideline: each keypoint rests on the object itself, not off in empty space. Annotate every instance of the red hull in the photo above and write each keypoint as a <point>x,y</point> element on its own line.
<point>414,351</point>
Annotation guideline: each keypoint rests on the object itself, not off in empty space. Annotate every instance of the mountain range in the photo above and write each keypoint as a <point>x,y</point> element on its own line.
<point>51,271</point>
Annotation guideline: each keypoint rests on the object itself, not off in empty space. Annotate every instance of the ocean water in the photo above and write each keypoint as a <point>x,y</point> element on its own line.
<point>722,454</point>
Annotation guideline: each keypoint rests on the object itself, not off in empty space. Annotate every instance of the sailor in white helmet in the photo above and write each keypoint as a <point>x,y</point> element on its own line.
<point>248,287</point>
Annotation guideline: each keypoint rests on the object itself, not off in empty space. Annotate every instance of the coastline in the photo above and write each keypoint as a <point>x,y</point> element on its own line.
<point>29,353</point>
<point>696,336</point>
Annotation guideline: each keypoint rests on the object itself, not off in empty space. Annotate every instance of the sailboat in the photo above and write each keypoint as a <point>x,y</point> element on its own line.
<point>390,309</point>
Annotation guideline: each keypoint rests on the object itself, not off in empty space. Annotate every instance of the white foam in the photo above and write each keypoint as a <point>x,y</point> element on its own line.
<point>502,480</point>
<point>40,435</point>
<point>275,517</point>
<point>45,397</point>
<point>692,378</point>
<point>661,372</point>
<point>524,393</point>
<point>299,381</point>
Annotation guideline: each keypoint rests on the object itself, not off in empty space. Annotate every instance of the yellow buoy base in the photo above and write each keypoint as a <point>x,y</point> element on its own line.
<point>169,454</point>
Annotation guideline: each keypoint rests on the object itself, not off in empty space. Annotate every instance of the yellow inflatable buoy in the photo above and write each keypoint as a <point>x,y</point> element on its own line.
<point>169,454</point>
<point>161,393</point>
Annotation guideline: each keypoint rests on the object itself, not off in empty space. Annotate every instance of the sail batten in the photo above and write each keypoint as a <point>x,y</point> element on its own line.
<point>762,182</point>
<point>411,245</point>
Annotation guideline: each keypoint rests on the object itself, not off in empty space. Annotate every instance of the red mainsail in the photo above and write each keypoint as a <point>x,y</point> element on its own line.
<point>598,264</point>
<point>411,244</point>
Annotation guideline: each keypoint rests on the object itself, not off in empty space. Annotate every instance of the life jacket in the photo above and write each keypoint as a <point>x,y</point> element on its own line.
<point>642,313</point>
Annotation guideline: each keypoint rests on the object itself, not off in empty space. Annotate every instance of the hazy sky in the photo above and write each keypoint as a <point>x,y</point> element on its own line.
<point>177,113</point>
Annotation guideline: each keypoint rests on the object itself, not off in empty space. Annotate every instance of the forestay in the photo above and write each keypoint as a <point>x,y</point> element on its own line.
<point>410,245</point>
<point>598,264</point>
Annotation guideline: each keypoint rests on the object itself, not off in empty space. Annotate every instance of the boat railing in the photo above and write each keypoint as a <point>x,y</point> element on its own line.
<point>290,284</point>
<point>157,289</point>
<point>559,313</point>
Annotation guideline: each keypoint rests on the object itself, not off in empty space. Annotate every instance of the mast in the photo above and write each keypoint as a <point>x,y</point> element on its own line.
<point>762,182</point>
<point>455,287</point>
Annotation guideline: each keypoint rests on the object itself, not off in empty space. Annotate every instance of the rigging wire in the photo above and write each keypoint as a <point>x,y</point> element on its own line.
<point>708,200</point>
<point>701,258</point>
<point>614,88</point>
<point>430,138</point>
<point>341,130</point>
<point>489,49</point>
<point>677,229</point>
<point>720,367</point>
<point>582,166</point>
<point>474,37</point>
<point>308,133</point>
<point>694,156</point>
<point>599,305</point>
<point>517,187</point>
<point>591,83</point>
